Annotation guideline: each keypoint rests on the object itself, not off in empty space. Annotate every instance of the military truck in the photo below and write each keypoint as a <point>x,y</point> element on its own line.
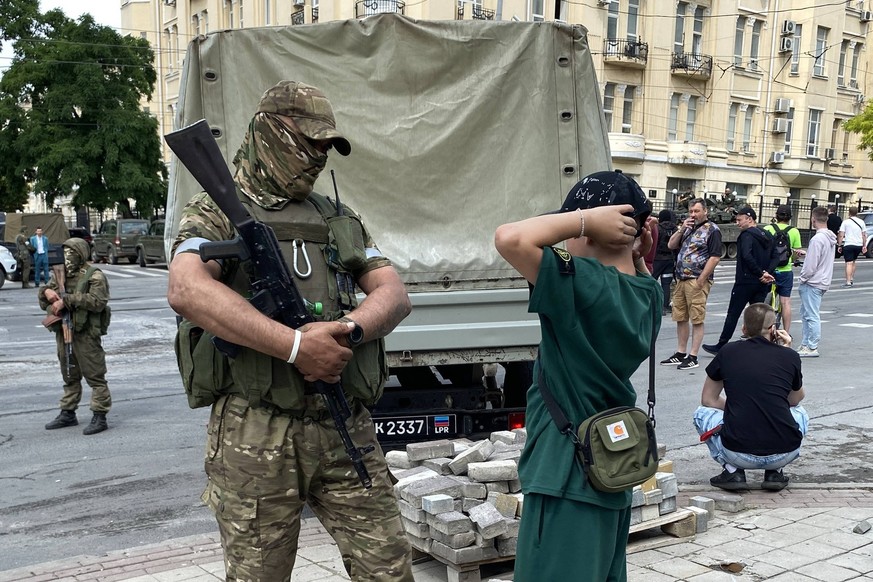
<point>53,227</point>
<point>150,246</point>
<point>456,127</point>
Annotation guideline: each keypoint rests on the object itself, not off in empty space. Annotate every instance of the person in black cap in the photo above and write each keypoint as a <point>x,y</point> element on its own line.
<point>755,265</point>
<point>665,258</point>
<point>599,309</point>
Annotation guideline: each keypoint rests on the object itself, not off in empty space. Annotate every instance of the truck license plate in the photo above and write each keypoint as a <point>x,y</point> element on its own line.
<point>410,427</point>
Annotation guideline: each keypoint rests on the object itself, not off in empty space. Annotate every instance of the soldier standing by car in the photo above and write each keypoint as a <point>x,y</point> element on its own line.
<point>22,245</point>
<point>85,296</point>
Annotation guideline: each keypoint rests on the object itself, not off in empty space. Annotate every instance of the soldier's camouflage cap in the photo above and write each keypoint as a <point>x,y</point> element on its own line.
<point>310,109</point>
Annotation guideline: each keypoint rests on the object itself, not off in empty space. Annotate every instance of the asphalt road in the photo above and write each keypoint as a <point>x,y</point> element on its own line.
<point>65,494</point>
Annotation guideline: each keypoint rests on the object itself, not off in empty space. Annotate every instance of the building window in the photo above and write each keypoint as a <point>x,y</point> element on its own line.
<point>633,11</point>
<point>835,133</point>
<point>821,47</point>
<point>697,36</point>
<point>168,36</point>
<point>747,129</point>
<point>612,21</point>
<point>853,72</point>
<point>756,41</point>
<point>673,120</point>
<point>228,13</point>
<point>841,68</point>
<point>739,39</point>
<point>314,11</point>
<point>691,118</point>
<point>790,130</point>
<point>267,14</point>
<point>730,143</point>
<point>241,14</point>
<point>845,157</point>
<point>608,104</point>
<point>195,25</point>
<point>812,132</point>
<point>538,11</point>
<point>679,33</point>
<point>204,19</point>
<point>795,53</point>
<point>628,112</point>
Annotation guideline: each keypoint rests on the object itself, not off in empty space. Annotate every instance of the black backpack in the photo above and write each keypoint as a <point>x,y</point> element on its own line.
<point>781,245</point>
<point>662,251</point>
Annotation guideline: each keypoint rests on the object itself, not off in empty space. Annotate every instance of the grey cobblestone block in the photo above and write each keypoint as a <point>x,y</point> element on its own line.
<point>636,515</point>
<point>411,513</point>
<point>507,505</point>
<point>405,482</point>
<point>470,502</point>
<point>421,544</point>
<point>668,484</point>
<point>662,451</point>
<point>450,523</point>
<point>474,489</point>
<point>507,547</point>
<point>514,485</point>
<point>492,471</point>
<point>497,487</point>
<point>702,518</point>
<point>520,497</point>
<point>430,450</point>
<point>649,512</point>
<point>503,436</point>
<point>430,486</point>
<point>512,526</point>
<point>492,497</point>
<point>418,529</point>
<point>638,497</point>
<point>703,503</point>
<point>667,506</point>
<point>522,434</point>
<point>417,470</point>
<point>727,501</point>
<point>505,456</point>
<point>476,453</point>
<point>463,555</point>
<point>485,542</point>
<point>436,504</point>
<point>398,459</point>
<point>489,522</point>
<point>454,541</point>
<point>440,465</point>
<point>654,497</point>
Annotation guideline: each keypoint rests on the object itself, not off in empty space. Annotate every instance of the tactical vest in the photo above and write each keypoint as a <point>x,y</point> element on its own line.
<point>322,251</point>
<point>87,322</point>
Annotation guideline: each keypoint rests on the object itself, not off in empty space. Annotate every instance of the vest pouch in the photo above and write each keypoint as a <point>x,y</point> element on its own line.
<point>347,237</point>
<point>619,449</point>
<point>263,378</point>
<point>365,375</point>
<point>202,367</point>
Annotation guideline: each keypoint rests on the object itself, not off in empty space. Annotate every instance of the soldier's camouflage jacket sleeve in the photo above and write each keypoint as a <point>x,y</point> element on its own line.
<point>95,298</point>
<point>375,258</point>
<point>202,218</point>
<point>53,285</point>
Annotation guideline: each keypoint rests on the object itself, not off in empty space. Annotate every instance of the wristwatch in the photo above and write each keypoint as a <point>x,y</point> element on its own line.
<point>356,336</point>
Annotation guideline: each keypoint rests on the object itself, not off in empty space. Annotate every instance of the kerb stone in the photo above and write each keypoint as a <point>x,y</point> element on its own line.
<point>429,450</point>
<point>440,465</point>
<point>503,436</point>
<point>463,555</point>
<point>507,505</point>
<point>454,541</point>
<point>507,547</point>
<point>702,518</point>
<point>727,501</point>
<point>489,522</point>
<point>668,484</point>
<point>436,504</point>
<point>411,513</point>
<point>492,471</point>
<point>450,523</point>
<point>475,454</point>
<point>705,503</point>
<point>420,530</point>
<point>667,506</point>
<point>399,460</point>
<point>431,486</point>
<point>654,497</point>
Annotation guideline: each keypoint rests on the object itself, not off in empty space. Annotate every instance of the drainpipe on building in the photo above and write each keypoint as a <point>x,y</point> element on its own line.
<point>768,100</point>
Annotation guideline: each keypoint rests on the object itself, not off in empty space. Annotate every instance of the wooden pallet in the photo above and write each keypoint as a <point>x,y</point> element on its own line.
<point>471,572</point>
<point>681,524</point>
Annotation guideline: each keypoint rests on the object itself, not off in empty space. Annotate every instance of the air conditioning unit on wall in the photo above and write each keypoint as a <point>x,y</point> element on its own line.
<point>830,154</point>
<point>780,125</point>
<point>866,16</point>
<point>788,27</point>
<point>786,44</point>
<point>783,105</point>
<point>777,157</point>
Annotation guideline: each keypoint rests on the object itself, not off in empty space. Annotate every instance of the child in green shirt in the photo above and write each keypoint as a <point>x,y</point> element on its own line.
<point>598,310</point>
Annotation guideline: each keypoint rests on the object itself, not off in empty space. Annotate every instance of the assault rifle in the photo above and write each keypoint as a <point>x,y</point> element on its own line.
<point>274,292</point>
<point>65,317</point>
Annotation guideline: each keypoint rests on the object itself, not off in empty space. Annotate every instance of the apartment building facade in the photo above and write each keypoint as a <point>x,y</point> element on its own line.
<point>748,95</point>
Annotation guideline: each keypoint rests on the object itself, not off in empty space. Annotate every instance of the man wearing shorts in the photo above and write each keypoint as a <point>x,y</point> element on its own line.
<point>852,238</point>
<point>699,244</point>
<point>784,274</point>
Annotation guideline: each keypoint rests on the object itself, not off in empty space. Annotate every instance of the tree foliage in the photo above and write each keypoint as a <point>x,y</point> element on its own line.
<point>862,124</point>
<point>80,129</point>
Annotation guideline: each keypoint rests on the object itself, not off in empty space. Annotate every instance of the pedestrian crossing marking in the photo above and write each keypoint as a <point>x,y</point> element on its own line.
<point>859,315</point>
<point>858,325</point>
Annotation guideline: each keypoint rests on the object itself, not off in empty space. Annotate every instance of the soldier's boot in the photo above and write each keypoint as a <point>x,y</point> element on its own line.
<point>65,418</point>
<point>98,424</point>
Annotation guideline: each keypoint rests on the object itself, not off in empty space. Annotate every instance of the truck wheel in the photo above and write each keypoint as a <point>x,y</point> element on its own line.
<point>519,377</point>
<point>731,250</point>
<point>869,249</point>
<point>113,259</point>
<point>140,257</point>
<point>724,251</point>
<point>2,277</point>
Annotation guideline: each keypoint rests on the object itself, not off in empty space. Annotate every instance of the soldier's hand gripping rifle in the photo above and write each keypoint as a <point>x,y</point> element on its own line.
<point>274,292</point>
<point>65,317</point>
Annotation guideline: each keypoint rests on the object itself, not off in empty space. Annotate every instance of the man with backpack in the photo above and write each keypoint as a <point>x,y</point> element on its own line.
<point>786,243</point>
<point>755,263</point>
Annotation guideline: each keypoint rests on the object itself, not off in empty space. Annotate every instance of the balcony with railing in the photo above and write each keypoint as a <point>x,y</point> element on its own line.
<point>366,8</point>
<point>476,11</point>
<point>628,53</point>
<point>314,14</point>
<point>691,65</point>
<point>297,17</point>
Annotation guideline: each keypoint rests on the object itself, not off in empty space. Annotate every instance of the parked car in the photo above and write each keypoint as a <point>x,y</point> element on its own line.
<point>867,217</point>
<point>7,265</point>
<point>116,239</point>
<point>150,246</point>
<point>82,233</point>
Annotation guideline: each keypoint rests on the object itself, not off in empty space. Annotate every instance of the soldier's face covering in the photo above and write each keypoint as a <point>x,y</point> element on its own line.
<point>276,163</point>
<point>72,262</point>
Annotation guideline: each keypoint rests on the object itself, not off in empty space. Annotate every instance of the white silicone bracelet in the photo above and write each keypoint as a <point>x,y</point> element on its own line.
<point>295,347</point>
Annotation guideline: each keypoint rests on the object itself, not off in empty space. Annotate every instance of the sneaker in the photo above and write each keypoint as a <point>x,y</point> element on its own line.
<point>848,284</point>
<point>807,353</point>
<point>712,348</point>
<point>688,363</point>
<point>774,481</point>
<point>730,481</point>
<point>674,360</point>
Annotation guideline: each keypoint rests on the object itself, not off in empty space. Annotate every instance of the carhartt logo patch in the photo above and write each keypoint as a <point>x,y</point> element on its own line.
<point>617,431</point>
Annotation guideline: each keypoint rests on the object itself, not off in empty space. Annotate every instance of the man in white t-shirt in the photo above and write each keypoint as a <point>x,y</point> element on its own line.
<point>853,240</point>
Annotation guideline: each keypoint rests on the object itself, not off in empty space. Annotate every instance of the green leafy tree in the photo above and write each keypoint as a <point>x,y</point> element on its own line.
<point>83,131</point>
<point>862,124</point>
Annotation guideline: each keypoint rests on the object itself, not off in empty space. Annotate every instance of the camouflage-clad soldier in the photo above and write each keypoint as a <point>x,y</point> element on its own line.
<point>85,296</point>
<point>22,246</point>
<point>271,445</point>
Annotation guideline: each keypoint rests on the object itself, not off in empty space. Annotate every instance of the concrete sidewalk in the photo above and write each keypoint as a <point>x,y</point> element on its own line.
<point>801,534</point>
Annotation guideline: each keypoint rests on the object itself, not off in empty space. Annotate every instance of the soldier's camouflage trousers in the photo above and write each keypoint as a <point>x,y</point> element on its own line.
<point>264,467</point>
<point>89,362</point>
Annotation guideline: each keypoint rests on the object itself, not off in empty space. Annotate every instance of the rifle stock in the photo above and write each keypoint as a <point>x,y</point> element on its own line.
<point>274,292</point>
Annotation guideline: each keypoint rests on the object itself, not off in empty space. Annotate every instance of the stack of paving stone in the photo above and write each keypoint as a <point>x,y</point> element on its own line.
<point>655,497</point>
<point>461,500</point>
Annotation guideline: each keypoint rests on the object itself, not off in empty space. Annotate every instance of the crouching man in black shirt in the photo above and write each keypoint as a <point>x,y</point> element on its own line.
<point>757,423</point>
